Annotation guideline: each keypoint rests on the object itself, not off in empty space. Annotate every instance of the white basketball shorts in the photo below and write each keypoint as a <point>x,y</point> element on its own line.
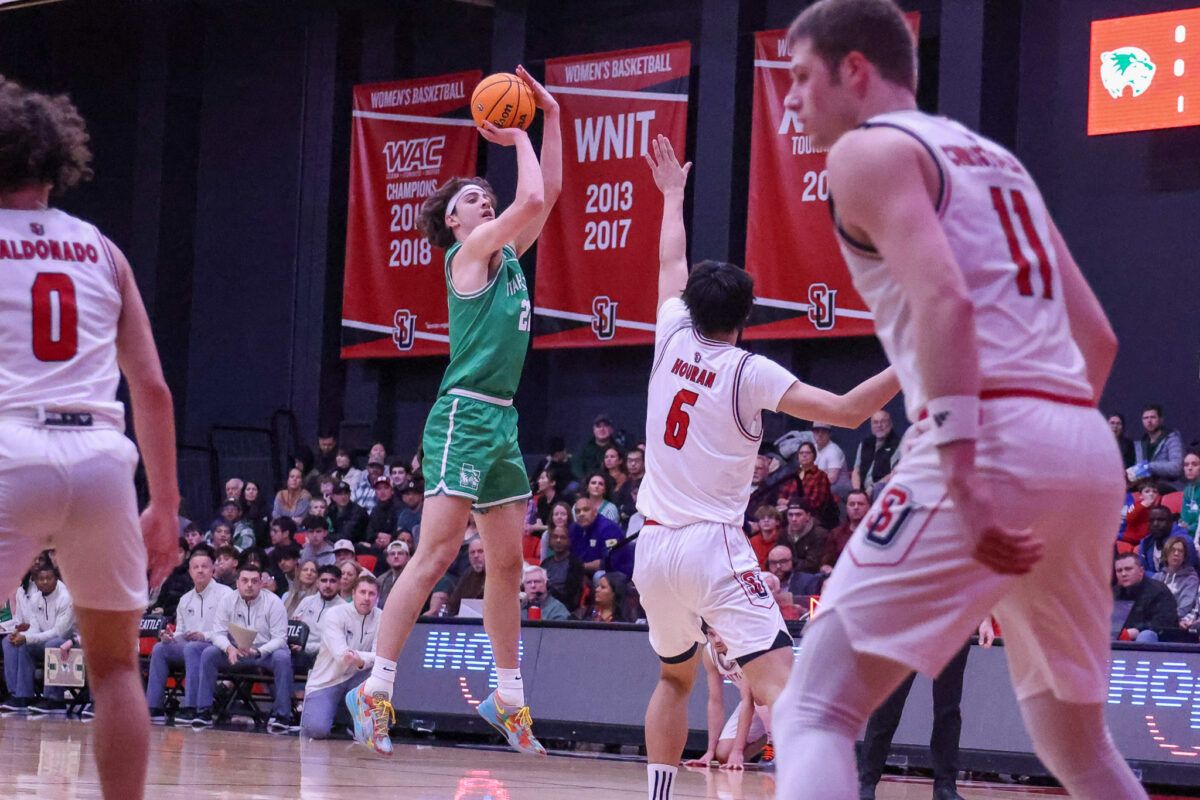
<point>757,729</point>
<point>907,588</point>
<point>704,571</point>
<point>71,489</point>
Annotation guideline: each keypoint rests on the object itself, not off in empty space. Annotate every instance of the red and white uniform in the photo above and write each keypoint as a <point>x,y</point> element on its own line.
<point>1047,455</point>
<point>703,428</point>
<point>66,467</point>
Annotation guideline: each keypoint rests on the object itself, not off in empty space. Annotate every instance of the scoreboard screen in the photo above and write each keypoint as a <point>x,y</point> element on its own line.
<point>1144,72</point>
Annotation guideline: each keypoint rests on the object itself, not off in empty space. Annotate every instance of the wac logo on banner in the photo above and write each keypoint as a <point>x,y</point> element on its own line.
<point>822,306</point>
<point>414,155</point>
<point>404,329</point>
<point>604,318</point>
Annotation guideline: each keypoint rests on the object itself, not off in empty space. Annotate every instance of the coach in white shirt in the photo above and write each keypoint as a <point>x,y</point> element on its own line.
<point>195,621</point>
<point>314,608</point>
<point>49,619</point>
<point>345,658</point>
<point>263,613</point>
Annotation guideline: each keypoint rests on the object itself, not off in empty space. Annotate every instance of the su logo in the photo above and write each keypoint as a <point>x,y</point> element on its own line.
<point>404,329</point>
<point>604,317</point>
<point>822,306</point>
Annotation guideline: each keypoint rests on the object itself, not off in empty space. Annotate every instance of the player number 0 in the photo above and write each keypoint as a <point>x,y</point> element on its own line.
<point>55,317</point>
<point>678,420</point>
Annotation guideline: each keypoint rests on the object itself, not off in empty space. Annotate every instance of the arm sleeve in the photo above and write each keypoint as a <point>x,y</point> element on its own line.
<point>1169,464</point>
<point>277,625</point>
<point>64,625</point>
<point>332,638</point>
<point>220,631</point>
<point>1164,615</point>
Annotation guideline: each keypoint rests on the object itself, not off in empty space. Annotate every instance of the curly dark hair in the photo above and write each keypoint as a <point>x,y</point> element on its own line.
<point>432,219</point>
<point>43,139</point>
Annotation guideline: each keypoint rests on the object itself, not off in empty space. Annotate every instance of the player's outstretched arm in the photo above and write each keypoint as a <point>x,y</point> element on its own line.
<point>880,179</point>
<point>153,422</point>
<point>715,712</point>
<point>528,203</point>
<point>671,179</point>
<point>551,160</point>
<point>1089,324</point>
<point>847,410</point>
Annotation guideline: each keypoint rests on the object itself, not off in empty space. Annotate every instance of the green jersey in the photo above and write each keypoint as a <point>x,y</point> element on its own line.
<point>489,331</point>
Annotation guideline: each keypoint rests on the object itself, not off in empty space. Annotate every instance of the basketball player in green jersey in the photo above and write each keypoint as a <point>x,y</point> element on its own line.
<point>471,458</point>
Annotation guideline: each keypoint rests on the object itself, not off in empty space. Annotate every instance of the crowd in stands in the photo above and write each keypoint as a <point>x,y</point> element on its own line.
<point>327,549</point>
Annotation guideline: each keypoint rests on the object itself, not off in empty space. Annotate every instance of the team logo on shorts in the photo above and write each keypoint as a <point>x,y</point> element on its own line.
<point>404,329</point>
<point>822,306</point>
<point>604,317</point>
<point>887,518</point>
<point>1126,66</point>
<point>754,583</point>
<point>468,477</point>
<point>37,228</point>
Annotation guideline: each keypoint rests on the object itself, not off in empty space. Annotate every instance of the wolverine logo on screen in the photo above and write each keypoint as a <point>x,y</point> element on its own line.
<point>604,318</point>
<point>404,329</point>
<point>822,306</point>
<point>1126,66</point>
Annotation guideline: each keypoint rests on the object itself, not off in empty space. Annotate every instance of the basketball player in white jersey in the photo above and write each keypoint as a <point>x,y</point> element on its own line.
<point>1010,483</point>
<point>703,428</point>
<point>71,320</point>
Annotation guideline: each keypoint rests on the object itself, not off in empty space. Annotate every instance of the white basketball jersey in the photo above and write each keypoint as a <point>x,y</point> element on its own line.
<point>703,423</point>
<point>60,302</point>
<point>999,230</point>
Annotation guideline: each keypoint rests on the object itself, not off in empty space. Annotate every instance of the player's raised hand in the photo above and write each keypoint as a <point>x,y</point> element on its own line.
<point>542,98</point>
<point>664,166</point>
<point>160,532</point>
<point>505,137</point>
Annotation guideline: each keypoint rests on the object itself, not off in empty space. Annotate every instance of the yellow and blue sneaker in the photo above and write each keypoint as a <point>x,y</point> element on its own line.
<point>373,716</point>
<point>516,725</point>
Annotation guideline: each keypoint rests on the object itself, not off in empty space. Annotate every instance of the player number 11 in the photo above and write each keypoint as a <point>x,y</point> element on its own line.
<point>1024,270</point>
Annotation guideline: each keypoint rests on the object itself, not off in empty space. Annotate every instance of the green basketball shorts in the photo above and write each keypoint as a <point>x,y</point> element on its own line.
<point>471,451</point>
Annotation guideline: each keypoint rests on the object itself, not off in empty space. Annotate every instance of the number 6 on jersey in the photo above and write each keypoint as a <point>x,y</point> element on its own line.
<point>678,420</point>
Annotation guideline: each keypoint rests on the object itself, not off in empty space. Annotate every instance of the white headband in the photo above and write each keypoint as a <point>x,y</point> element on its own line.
<point>470,187</point>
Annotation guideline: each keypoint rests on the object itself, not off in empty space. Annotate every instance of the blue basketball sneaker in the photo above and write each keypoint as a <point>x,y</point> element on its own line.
<point>373,716</point>
<point>516,725</point>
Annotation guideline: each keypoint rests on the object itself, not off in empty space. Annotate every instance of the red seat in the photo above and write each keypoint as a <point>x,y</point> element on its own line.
<point>1173,501</point>
<point>366,561</point>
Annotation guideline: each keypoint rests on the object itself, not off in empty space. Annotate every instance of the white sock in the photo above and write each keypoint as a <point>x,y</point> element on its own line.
<point>383,678</point>
<point>659,780</point>
<point>510,690</point>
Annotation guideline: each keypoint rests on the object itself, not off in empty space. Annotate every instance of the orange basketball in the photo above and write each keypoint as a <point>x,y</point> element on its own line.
<point>504,100</point>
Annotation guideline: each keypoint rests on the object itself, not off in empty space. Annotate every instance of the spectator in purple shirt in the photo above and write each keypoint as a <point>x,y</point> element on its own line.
<point>594,540</point>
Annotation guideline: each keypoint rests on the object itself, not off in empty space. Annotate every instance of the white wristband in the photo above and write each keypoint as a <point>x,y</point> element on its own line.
<point>954,417</point>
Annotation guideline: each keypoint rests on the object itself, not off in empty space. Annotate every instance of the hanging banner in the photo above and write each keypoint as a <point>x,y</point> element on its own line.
<point>802,286</point>
<point>598,253</point>
<point>407,139</point>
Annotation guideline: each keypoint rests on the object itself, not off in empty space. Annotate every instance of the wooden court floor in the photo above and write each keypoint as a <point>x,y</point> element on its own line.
<point>51,759</point>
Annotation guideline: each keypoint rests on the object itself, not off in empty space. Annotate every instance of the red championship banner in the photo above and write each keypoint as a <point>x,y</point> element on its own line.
<point>408,138</point>
<point>597,262</point>
<point>801,282</point>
